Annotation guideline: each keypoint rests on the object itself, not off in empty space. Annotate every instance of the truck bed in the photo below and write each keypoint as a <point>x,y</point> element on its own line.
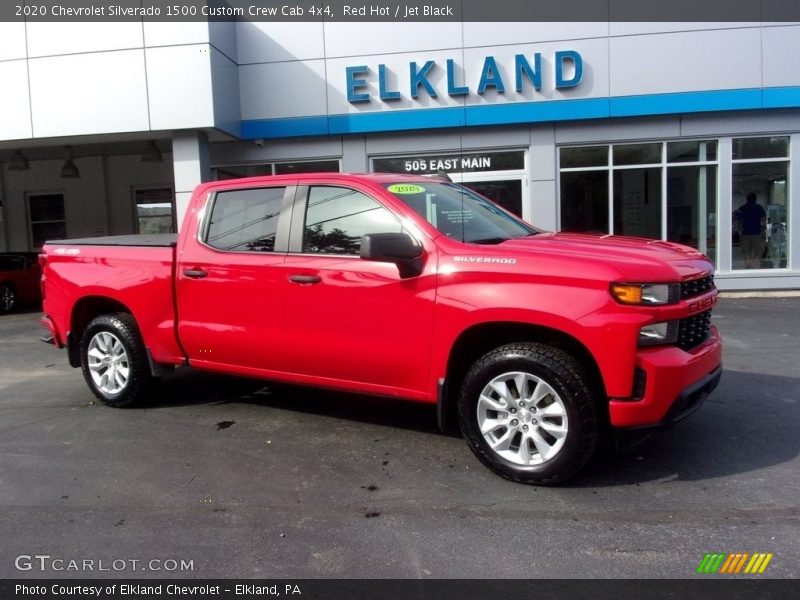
<point>134,271</point>
<point>156,240</point>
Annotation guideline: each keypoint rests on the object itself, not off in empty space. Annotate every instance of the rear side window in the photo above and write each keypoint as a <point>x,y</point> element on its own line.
<point>336,218</point>
<point>245,220</point>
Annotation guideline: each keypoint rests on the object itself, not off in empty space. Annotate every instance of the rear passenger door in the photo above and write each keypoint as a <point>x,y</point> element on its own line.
<point>351,320</point>
<point>229,300</point>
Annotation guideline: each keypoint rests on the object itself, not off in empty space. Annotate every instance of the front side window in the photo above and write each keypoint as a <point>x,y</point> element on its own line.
<point>337,217</point>
<point>245,220</point>
<point>459,213</point>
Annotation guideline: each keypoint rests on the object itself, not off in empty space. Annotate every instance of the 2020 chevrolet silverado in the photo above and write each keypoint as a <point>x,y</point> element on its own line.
<point>532,342</point>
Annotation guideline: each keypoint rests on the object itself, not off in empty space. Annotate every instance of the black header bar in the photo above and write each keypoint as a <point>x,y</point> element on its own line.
<point>777,11</point>
<point>702,588</point>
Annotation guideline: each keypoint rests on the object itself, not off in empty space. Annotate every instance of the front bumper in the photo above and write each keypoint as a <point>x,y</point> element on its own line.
<point>676,383</point>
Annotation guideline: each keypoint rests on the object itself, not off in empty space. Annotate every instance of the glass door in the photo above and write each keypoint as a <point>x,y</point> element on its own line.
<point>506,190</point>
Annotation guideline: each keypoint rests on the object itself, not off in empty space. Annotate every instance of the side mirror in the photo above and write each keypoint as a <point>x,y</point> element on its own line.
<point>398,248</point>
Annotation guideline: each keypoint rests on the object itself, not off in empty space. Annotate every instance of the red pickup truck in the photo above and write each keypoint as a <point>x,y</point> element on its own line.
<point>533,343</point>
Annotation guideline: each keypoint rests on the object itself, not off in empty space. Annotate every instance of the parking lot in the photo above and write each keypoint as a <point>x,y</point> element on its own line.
<point>246,479</point>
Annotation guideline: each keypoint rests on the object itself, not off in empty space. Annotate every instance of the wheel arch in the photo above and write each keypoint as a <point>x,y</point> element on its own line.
<point>478,339</point>
<point>83,312</point>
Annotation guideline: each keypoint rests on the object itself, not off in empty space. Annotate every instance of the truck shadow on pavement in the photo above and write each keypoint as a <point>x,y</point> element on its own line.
<point>750,422</point>
<point>188,387</point>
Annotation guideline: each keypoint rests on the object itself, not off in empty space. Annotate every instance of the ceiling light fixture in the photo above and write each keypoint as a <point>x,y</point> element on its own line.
<point>151,153</point>
<point>69,170</point>
<point>18,162</point>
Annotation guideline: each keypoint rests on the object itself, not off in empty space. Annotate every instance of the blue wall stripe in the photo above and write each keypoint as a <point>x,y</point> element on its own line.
<point>451,116</point>
<point>524,112</point>
<point>685,102</point>
<point>291,127</point>
<point>781,97</point>
<point>537,112</point>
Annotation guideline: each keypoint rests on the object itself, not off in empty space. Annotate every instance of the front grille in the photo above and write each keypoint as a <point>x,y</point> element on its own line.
<point>693,331</point>
<point>695,287</point>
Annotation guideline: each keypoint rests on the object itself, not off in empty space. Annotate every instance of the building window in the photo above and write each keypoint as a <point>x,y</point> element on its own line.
<point>313,166</point>
<point>637,190</point>
<point>281,168</point>
<point>48,218</point>
<point>760,193</point>
<point>238,171</point>
<point>658,190</point>
<point>155,210</point>
<point>497,176</point>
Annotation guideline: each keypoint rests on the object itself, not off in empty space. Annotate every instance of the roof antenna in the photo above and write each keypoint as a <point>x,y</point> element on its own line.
<point>443,173</point>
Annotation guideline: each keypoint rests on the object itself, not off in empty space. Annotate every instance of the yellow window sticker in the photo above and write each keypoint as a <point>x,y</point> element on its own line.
<point>405,188</point>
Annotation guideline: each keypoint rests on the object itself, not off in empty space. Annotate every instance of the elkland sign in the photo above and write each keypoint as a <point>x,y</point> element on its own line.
<point>527,74</point>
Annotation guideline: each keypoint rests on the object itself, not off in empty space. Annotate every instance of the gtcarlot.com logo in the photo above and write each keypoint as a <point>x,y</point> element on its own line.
<point>743,563</point>
<point>47,563</point>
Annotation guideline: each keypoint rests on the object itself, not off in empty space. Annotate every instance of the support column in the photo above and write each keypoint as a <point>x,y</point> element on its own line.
<point>725,208</point>
<point>191,164</point>
<point>542,209</point>
<point>354,155</point>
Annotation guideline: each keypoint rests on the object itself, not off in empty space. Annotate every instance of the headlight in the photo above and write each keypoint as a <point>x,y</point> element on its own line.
<point>648,294</point>
<point>665,332</point>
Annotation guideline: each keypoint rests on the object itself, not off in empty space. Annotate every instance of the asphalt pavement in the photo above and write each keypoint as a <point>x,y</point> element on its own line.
<point>241,478</point>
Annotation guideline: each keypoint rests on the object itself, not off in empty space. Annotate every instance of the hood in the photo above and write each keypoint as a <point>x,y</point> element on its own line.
<point>637,259</point>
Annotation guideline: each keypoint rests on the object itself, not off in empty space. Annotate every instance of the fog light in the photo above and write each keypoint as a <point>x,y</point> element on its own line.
<point>665,332</point>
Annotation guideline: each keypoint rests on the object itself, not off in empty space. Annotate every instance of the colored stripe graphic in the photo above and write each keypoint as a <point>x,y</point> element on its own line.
<point>758,564</point>
<point>727,564</point>
<point>711,562</point>
<point>740,564</point>
<point>733,563</point>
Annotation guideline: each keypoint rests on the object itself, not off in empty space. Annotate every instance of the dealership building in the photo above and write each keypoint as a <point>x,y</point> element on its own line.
<point>659,130</point>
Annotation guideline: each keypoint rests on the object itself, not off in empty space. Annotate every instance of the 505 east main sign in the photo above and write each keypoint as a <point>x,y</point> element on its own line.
<point>527,72</point>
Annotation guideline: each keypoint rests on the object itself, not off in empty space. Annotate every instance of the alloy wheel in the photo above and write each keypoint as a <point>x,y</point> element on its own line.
<point>522,418</point>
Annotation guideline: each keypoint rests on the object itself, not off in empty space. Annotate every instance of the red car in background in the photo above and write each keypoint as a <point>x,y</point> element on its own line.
<point>19,280</point>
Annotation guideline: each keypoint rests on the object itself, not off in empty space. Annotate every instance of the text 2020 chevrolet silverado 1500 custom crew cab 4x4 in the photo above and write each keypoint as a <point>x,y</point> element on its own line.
<point>392,285</point>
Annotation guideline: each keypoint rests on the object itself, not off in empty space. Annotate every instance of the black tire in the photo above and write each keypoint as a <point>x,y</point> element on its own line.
<point>8,298</point>
<point>139,380</point>
<point>572,397</point>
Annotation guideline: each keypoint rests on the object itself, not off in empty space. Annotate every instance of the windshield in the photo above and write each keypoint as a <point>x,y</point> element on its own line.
<point>460,213</point>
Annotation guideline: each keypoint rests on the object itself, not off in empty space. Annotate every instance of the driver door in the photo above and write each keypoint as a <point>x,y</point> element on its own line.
<point>353,320</point>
